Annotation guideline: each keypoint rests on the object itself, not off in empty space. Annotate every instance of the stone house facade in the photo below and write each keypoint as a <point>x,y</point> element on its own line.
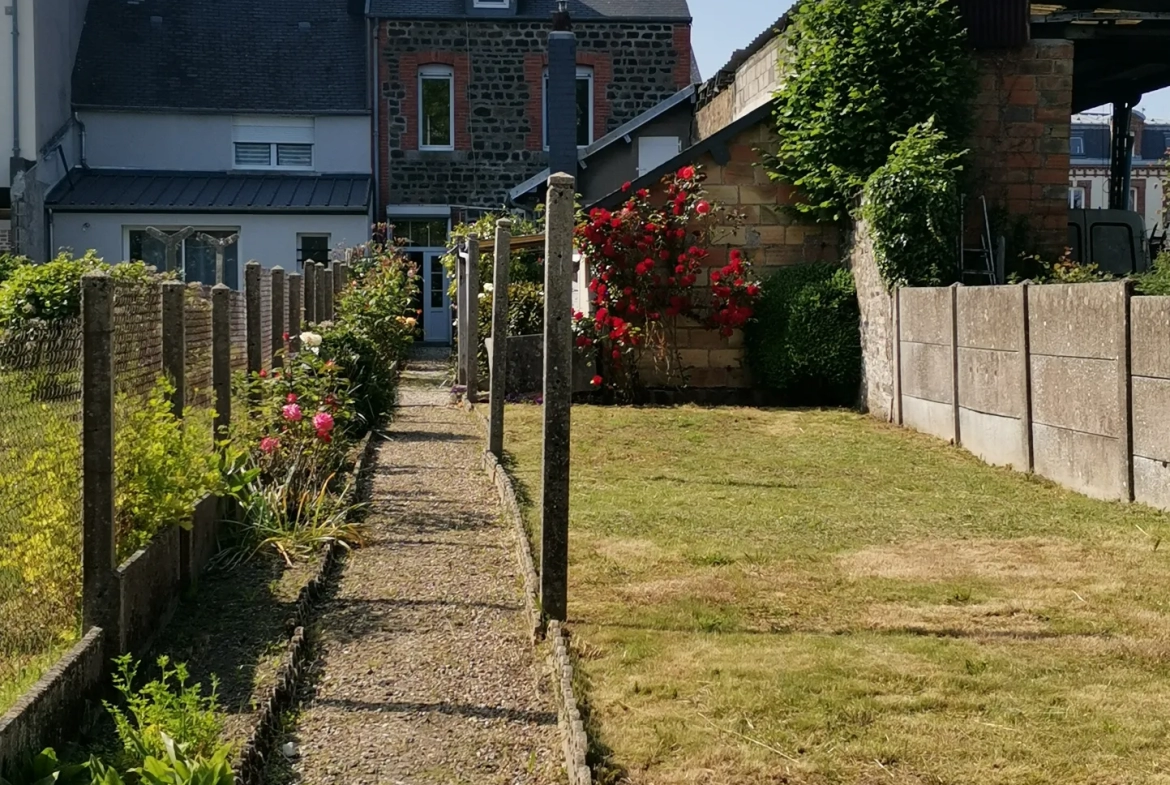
<point>479,68</point>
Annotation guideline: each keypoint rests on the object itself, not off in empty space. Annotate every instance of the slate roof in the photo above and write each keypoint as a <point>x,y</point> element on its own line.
<point>133,190</point>
<point>222,55</point>
<point>580,10</point>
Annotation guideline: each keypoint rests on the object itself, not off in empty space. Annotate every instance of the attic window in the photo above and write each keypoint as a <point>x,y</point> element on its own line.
<point>492,3</point>
<point>1077,145</point>
<point>272,143</point>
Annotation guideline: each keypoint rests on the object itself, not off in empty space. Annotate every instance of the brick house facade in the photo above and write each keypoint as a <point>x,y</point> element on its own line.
<point>498,64</point>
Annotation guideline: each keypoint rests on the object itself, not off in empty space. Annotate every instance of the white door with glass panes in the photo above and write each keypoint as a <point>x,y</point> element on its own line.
<point>425,241</point>
<point>436,300</point>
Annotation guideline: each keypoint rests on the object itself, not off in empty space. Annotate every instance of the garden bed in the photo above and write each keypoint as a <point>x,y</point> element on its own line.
<point>815,597</point>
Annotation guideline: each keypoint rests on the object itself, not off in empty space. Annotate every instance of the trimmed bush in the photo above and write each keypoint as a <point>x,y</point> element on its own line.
<point>805,340</point>
<point>525,315</point>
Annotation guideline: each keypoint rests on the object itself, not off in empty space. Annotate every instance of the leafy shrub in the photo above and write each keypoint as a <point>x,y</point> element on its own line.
<point>52,291</point>
<point>162,464</point>
<point>379,304</point>
<point>805,341</point>
<point>912,205</point>
<point>176,768</point>
<point>525,313</point>
<point>45,769</point>
<point>859,74</point>
<point>525,266</point>
<point>167,708</point>
<point>9,264</point>
<point>374,383</point>
<point>1157,280</point>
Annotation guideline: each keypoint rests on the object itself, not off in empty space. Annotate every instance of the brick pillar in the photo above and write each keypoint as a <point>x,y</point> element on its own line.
<point>1020,148</point>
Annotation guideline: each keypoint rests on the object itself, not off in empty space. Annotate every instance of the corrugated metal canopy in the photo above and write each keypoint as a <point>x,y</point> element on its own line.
<point>116,190</point>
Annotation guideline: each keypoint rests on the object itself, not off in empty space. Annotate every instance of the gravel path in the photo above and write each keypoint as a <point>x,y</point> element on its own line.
<point>425,674</point>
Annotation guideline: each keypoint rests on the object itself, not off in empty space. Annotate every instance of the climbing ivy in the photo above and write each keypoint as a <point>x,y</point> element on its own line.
<point>858,74</point>
<point>912,206</point>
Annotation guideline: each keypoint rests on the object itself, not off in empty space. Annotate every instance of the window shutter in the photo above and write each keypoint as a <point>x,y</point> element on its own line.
<point>253,154</point>
<point>299,156</point>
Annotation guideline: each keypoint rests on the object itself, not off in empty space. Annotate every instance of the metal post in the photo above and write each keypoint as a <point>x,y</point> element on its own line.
<point>174,341</point>
<point>558,387</point>
<point>101,602</point>
<point>171,242</point>
<point>499,369</point>
<point>221,355</point>
<point>471,372</point>
<point>253,320</point>
<point>278,313</point>
<point>295,312</point>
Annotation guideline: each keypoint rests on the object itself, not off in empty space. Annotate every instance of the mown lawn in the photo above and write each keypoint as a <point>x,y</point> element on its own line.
<point>814,597</point>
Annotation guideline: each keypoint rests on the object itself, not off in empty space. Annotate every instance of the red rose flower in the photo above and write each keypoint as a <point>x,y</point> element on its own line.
<point>626,185</point>
<point>686,173</point>
<point>596,381</point>
<point>703,207</point>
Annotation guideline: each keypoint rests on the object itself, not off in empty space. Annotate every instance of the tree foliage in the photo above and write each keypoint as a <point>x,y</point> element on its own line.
<point>858,74</point>
<point>912,205</point>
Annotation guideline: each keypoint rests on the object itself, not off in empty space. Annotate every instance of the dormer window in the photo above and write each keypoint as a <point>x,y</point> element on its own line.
<point>272,143</point>
<point>1076,145</point>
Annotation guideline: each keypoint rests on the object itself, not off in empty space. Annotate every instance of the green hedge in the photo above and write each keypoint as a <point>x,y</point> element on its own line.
<point>805,340</point>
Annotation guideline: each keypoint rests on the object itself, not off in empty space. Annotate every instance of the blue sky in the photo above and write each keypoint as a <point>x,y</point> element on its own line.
<point>722,26</point>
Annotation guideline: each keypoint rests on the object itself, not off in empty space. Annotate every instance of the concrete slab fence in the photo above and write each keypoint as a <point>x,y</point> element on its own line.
<point>1067,381</point>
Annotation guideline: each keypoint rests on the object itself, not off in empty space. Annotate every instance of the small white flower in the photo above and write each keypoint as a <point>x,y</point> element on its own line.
<point>482,296</point>
<point>489,288</point>
<point>310,340</point>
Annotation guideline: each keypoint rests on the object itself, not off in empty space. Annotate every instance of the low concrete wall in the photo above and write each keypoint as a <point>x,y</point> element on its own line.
<point>48,712</point>
<point>204,534</point>
<point>526,365</point>
<point>149,582</point>
<point>1150,374</point>
<point>1039,378</point>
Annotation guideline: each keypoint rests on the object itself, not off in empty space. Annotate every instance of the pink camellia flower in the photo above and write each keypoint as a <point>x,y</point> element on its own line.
<point>292,412</point>
<point>269,445</point>
<point>292,398</point>
<point>323,421</point>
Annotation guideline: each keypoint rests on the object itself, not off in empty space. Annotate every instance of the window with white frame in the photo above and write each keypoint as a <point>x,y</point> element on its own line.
<point>1076,145</point>
<point>584,106</point>
<point>195,258</point>
<point>436,107</point>
<point>1076,198</point>
<point>273,143</point>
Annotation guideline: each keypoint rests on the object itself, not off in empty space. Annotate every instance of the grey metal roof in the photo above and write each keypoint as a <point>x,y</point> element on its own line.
<point>583,10</point>
<point>123,190</point>
<point>583,153</point>
<point>296,56</point>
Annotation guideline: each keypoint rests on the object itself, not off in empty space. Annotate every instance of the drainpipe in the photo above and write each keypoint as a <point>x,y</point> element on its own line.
<point>81,132</point>
<point>375,100</point>
<point>15,79</point>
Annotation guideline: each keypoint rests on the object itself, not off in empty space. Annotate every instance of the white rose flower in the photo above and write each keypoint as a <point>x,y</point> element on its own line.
<point>310,340</point>
<point>489,288</point>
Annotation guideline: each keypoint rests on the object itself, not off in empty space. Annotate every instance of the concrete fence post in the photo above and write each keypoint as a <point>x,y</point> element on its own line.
<point>327,294</point>
<point>279,310</point>
<point>955,409</point>
<point>101,596</point>
<point>340,280</point>
<point>472,356</point>
<point>310,292</point>
<point>295,311</point>
<point>174,341</point>
<point>221,355</point>
<point>558,389</point>
<point>897,407</point>
<point>322,291</point>
<point>499,367</point>
<point>1026,378</point>
<point>461,297</point>
<point>253,319</point>
<point>1125,385</point>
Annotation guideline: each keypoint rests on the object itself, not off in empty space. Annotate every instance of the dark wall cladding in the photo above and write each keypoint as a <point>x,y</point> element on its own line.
<point>997,24</point>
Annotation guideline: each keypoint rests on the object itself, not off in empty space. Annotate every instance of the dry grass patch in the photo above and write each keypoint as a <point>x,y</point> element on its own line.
<point>813,598</point>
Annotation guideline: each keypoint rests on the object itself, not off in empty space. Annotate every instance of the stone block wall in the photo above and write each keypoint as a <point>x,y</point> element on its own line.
<point>1021,140</point>
<point>499,66</point>
<point>758,78</point>
<point>769,237</point>
<point>715,115</point>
